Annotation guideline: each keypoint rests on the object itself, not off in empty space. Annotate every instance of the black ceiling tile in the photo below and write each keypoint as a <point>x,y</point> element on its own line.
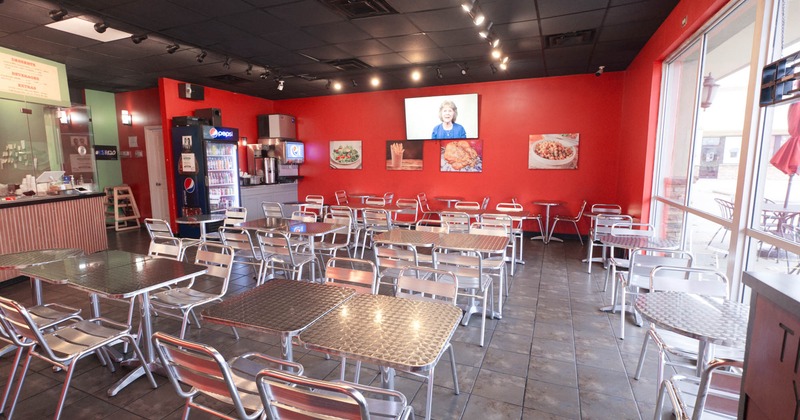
<point>633,12</point>
<point>468,52</point>
<point>425,56</point>
<point>572,23</point>
<point>11,25</point>
<point>455,37</point>
<point>115,49</point>
<point>335,33</point>
<point>531,44</point>
<point>33,46</point>
<point>441,20</point>
<point>283,58</point>
<point>503,11</point>
<point>214,8</point>
<point>258,22</point>
<point>295,39</point>
<point>408,43</point>
<point>255,48</point>
<point>326,53</point>
<point>620,2</point>
<point>27,12</point>
<point>567,70</point>
<point>197,31</point>
<point>551,8</point>
<point>617,51</point>
<point>95,5</point>
<point>387,25</point>
<point>634,29</point>
<point>568,56</point>
<point>409,6</point>
<point>385,60</point>
<point>105,71</point>
<point>155,15</point>
<point>364,47</point>
<point>305,13</point>
<point>523,29</point>
<point>59,37</point>
<point>312,68</point>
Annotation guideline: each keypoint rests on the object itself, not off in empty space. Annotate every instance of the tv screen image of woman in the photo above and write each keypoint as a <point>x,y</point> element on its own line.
<point>449,128</point>
<point>442,117</point>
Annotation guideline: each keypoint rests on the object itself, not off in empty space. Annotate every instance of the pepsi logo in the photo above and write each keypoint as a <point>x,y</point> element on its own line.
<point>212,132</point>
<point>189,185</point>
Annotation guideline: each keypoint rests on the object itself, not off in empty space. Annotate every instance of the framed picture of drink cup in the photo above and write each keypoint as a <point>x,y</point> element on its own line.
<point>402,155</point>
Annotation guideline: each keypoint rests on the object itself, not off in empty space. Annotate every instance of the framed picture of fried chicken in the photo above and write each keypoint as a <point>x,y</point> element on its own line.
<point>553,151</point>
<point>461,156</point>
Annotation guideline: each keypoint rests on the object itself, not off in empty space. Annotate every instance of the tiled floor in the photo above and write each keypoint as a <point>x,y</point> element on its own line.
<point>553,355</point>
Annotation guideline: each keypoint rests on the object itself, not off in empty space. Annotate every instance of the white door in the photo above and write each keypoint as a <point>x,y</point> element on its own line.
<point>156,170</point>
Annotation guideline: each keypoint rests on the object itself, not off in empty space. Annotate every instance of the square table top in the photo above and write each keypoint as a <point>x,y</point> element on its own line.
<point>294,227</point>
<point>61,271</point>
<point>408,335</point>
<point>465,241</point>
<point>278,306</point>
<point>20,260</point>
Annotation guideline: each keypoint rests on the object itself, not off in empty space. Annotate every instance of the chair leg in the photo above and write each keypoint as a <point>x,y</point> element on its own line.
<point>483,315</point>
<point>429,399</point>
<point>235,333</point>
<point>642,355</point>
<point>662,393</point>
<point>589,253</point>
<point>184,324</point>
<point>622,312</point>
<point>10,379</point>
<point>63,398</point>
<point>580,238</point>
<point>453,368</point>
<point>552,228</point>
<point>25,365</point>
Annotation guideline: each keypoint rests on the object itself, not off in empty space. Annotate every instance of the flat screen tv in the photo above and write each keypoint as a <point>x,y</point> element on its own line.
<point>442,117</point>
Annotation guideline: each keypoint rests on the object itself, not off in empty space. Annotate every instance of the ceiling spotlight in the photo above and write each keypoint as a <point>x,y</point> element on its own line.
<point>58,14</point>
<point>100,27</point>
<point>496,53</point>
<point>328,84</point>
<point>478,19</point>
<point>375,81</point>
<point>249,70</point>
<point>280,84</point>
<point>201,56</point>
<point>173,48</point>
<point>493,68</point>
<point>439,73</point>
<point>137,39</point>
<point>600,71</point>
<point>464,70</point>
<point>505,60</point>
<point>415,75</point>
<point>485,33</point>
<point>227,63</point>
<point>355,84</point>
<point>495,42</point>
<point>265,73</point>
<point>503,66</point>
<point>337,85</point>
<point>468,5</point>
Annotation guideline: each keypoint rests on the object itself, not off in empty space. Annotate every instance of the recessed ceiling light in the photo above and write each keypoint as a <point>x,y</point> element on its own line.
<point>85,28</point>
<point>415,75</point>
<point>375,81</point>
<point>337,86</point>
<point>479,18</point>
<point>496,53</point>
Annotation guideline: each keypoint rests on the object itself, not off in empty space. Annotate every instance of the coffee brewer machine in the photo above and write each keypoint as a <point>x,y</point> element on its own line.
<point>263,163</point>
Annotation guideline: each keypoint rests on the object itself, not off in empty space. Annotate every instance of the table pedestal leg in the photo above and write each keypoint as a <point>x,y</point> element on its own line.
<point>145,345</point>
<point>286,348</point>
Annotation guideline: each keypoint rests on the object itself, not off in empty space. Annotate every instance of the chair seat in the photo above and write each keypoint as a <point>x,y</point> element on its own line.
<point>50,314</point>
<point>299,258</point>
<point>683,346</point>
<point>83,336</point>
<point>181,296</point>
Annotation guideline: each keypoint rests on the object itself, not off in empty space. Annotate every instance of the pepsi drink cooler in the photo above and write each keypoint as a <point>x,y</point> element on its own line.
<point>206,172</point>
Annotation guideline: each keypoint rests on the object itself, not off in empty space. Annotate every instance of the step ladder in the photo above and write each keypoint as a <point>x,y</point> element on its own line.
<point>121,210</point>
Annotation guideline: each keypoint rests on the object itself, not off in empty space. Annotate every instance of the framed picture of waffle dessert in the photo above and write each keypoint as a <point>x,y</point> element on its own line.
<point>461,156</point>
<point>553,151</point>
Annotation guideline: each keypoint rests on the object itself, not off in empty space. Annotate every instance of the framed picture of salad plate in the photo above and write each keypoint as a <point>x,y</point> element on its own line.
<point>553,151</point>
<point>346,154</point>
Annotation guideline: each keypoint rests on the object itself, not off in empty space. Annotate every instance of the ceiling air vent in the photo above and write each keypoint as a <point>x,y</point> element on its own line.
<point>570,39</point>
<point>229,79</point>
<point>349,64</point>
<point>354,9</point>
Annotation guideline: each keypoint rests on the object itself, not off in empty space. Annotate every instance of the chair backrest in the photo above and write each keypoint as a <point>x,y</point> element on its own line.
<point>394,256</point>
<point>275,242</point>
<point>339,219</point>
<point>725,208</point>
<point>166,247</point>
<point>644,260</point>
<point>430,225</point>
<point>604,223</point>
<point>422,199</point>
<point>501,219</point>
<point>606,209</point>
<point>485,203</point>
<point>633,229</point>
<point>234,216</point>
<point>468,205</point>
<point>288,396</point>
<point>580,212</point>
<point>388,197</point>
<point>340,211</point>
<point>18,325</point>
<point>508,207</point>
<point>458,221</point>
<point>425,283</point>
<point>237,238</point>
<point>316,199</point>
<point>157,227</point>
<point>304,216</point>
<point>314,204</point>
<point>218,259</point>
<point>701,281</point>
<point>342,272</point>
<point>463,265</point>
<point>341,197</point>
<point>272,209</point>
<point>375,201</point>
<point>490,228</point>
<point>376,219</point>
<point>194,368</point>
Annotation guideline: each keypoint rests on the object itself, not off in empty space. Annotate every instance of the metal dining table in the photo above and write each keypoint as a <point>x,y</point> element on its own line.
<point>22,260</point>
<point>710,320</point>
<point>201,220</point>
<point>448,200</point>
<point>545,236</point>
<point>280,307</point>
<point>363,196</point>
<point>394,333</point>
<point>120,275</point>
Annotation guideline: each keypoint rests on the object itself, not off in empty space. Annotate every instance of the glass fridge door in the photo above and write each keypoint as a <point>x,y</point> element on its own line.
<point>223,176</point>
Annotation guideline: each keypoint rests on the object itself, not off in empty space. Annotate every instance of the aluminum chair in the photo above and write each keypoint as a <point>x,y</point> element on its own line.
<point>570,219</point>
<point>341,197</point>
<point>606,208</point>
<point>392,258</point>
<point>517,228</point>
<point>196,369</point>
<point>623,262</point>
<point>425,253</point>
<point>278,251</point>
<point>375,201</point>
<point>304,216</point>
<point>427,284</point>
<point>375,221</point>
<point>61,348</point>
<point>602,226</point>
<point>335,242</point>
<point>675,349</point>
<point>473,282</point>
<point>716,392</point>
<point>406,216</point>
<point>355,222</point>
<point>180,302</point>
<point>288,396</point>
<point>160,230</point>
<point>458,221</point>
<point>314,204</point>
<point>424,206</point>
<point>495,263</point>
<point>388,197</point>
<point>272,209</point>
<point>485,203</point>
<point>244,252</point>
<point>234,216</point>
<point>467,205</point>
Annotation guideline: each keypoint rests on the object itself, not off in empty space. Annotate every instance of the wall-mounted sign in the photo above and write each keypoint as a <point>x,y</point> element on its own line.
<point>105,152</point>
<point>25,77</point>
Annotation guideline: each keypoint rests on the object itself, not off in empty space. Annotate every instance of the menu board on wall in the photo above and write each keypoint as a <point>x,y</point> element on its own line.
<point>28,78</point>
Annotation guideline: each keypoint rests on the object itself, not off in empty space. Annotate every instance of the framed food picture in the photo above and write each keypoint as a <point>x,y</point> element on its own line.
<point>553,151</point>
<point>461,156</point>
<point>403,155</point>
<point>346,154</point>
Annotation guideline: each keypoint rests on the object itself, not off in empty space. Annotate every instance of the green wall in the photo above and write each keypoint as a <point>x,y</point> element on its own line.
<point>104,124</point>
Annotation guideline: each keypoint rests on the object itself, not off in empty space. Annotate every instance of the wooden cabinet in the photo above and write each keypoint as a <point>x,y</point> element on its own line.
<point>253,195</point>
<point>771,379</point>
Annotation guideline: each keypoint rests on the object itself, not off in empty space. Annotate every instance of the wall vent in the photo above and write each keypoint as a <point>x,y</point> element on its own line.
<point>229,79</point>
<point>355,9</point>
<point>349,64</point>
<point>570,39</point>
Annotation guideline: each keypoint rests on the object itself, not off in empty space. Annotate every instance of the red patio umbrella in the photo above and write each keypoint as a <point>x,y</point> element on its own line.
<point>787,158</point>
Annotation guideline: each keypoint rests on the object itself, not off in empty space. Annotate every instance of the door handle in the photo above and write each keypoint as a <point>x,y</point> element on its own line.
<point>158,184</point>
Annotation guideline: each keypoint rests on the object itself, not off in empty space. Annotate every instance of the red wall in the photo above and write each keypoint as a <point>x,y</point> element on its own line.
<point>509,111</point>
<point>238,111</point>
<point>144,106</point>
<point>641,101</point>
